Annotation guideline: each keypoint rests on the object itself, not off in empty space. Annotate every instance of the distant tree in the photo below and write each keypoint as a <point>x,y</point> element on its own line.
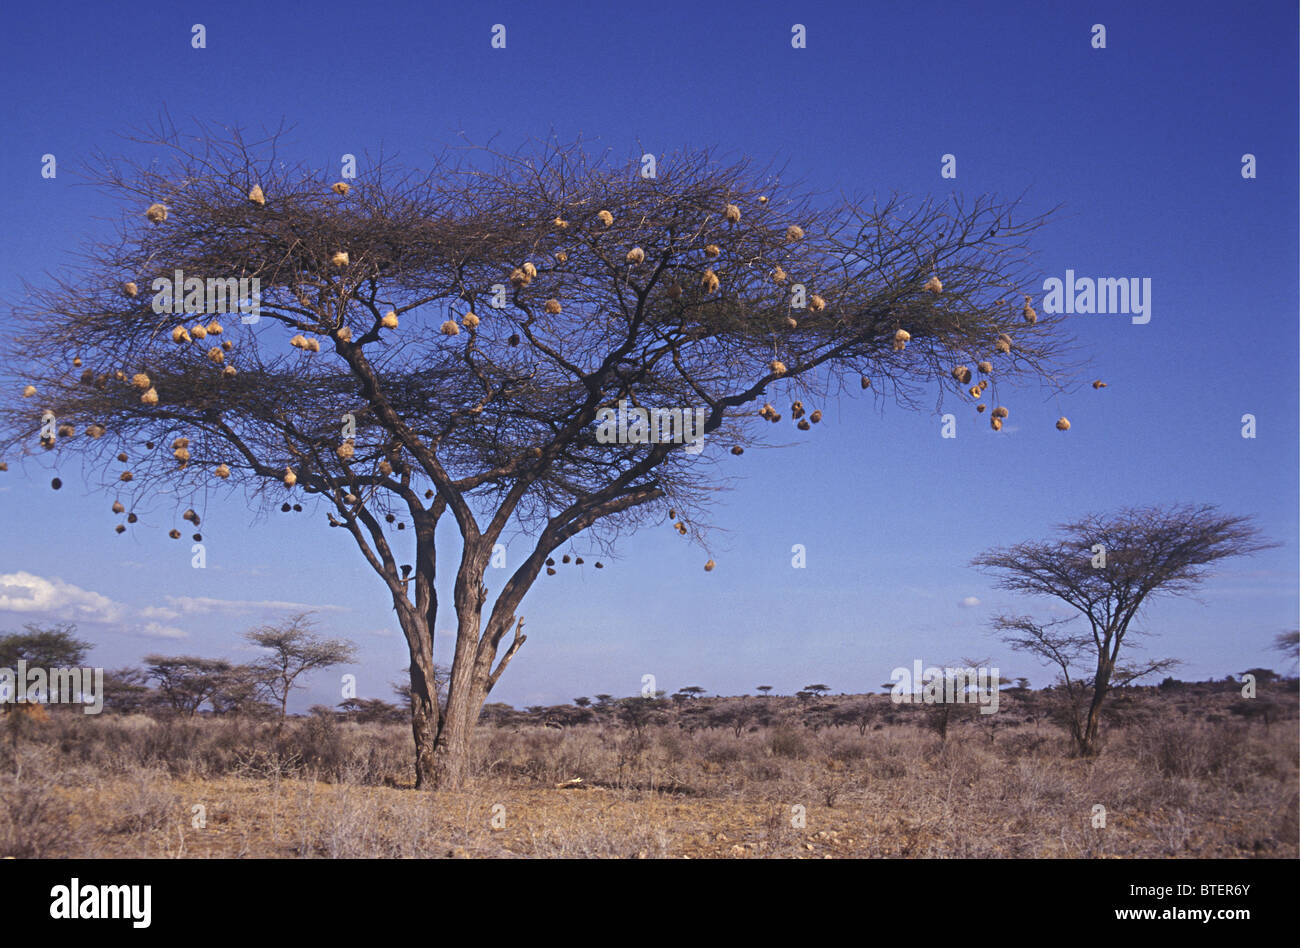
<point>692,691</point>
<point>1263,676</point>
<point>582,702</point>
<point>817,690</point>
<point>51,646</point>
<point>240,690</point>
<point>1288,643</point>
<point>765,689</point>
<point>187,681</point>
<point>638,713</point>
<point>604,699</point>
<point>126,691</point>
<point>1147,552</point>
<point>294,650</point>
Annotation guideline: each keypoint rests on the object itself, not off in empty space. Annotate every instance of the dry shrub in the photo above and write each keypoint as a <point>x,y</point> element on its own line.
<point>786,742</point>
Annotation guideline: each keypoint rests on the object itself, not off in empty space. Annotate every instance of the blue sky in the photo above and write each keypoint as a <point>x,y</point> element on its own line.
<point>1141,142</point>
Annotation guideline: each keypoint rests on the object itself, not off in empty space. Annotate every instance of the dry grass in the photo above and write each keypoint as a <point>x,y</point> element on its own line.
<point>130,786</point>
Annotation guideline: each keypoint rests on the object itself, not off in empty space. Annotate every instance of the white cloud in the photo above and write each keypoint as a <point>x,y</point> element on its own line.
<point>156,630</point>
<point>970,602</point>
<point>158,612</point>
<point>193,605</point>
<point>27,592</point>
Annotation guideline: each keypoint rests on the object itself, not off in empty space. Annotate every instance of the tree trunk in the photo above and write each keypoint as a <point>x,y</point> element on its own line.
<point>1101,685</point>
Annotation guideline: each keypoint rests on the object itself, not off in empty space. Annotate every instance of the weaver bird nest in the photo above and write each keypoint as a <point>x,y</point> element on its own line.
<point>256,195</point>
<point>341,188</point>
<point>731,213</point>
<point>933,285</point>
<point>157,213</point>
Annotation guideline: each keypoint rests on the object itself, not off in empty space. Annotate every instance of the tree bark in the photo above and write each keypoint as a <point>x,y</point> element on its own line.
<point>1101,685</point>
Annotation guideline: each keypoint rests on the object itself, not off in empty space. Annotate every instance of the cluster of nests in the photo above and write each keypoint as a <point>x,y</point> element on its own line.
<point>566,559</point>
<point>119,508</point>
<point>215,354</point>
<point>797,412</point>
<point>680,525</point>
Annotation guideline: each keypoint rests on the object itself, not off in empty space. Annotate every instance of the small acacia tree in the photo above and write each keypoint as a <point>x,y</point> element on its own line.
<point>1106,568</point>
<point>294,649</point>
<point>450,343</point>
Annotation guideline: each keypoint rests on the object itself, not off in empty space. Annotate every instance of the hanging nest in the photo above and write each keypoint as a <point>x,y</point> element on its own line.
<point>777,366</point>
<point>866,382</point>
<point>710,281</point>
<point>514,339</point>
<point>712,250</point>
<point>345,451</point>
<point>599,565</point>
<point>299,341</point>
<point>191,516</point>
<point>976,391</point>
<point>341,188</point>
<point>767,411</point>
<point>126,477</point>
<point>96,431</point>
<point>157,213</point>
<point>76,362</point>
<point>120,529</point>
<point>1099,384</point>
<point>88,376</point>
<point>901,339</point>
<point>199,332</point>
<point>791,323</point>
<point>181,443</point>
<point>961,374</point>
<point>130,289</point>
<point>816,416</point>
<point>1003,343</point>
<point>550,571</point>
<point>228,372</point>
<point>985,367</point>
<point>578,561</point>
<point>385,468</point>
<point>118,508</point>
<point>793,232</point>
<point>150,397</point>
<point>635,256</point>
<point>995,423</point>
<point>803,425</point>
<point>731,213</point>
<point>796,409</point>
<point>215,328</point>
<point>256,195</point>
<point>290,478</point>
<point>762,199</point>
<point>708,567</point>
<point>816,304</point>
<point>217,356</point>
<point>174,533</point>
<point>388,322</point>
<point>779,275</point>
<point>933,285</point>
<point>530,271</point>
<point>227,345</point>
<point>470,321</point>
<point>122,457</point>
<point>560,223</point>
<point>737,450</point>
<point>1063,424</point>
<point>1000,412</point>
<point>681,528</point>
<point>29,391</point>
<point>1031,317</point>
<point>343,334</point>
<point>350,498</point>
<point>47,442</point>
<point>222,471</point>
<point>56,483</point>
<point>980,408</point>
<point>518,277</point>
<point>674,291</point>
<point>340,259</point>
<point>561,257</point>
<point>450,328</point>
<point>606,218</point>
<point>182,455</point>
<point>180,334</point>
<point>553,307</point>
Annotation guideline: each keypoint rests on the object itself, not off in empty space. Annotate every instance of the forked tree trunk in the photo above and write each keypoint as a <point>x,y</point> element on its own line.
<point>1088,746</point>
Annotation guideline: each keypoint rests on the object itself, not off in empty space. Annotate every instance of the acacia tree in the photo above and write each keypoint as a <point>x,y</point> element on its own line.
<point>444,343</point>
<point>1107,568</point>
<point>294,649</point>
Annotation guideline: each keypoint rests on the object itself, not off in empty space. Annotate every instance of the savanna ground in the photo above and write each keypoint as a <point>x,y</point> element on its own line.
<point>1183,773</point>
